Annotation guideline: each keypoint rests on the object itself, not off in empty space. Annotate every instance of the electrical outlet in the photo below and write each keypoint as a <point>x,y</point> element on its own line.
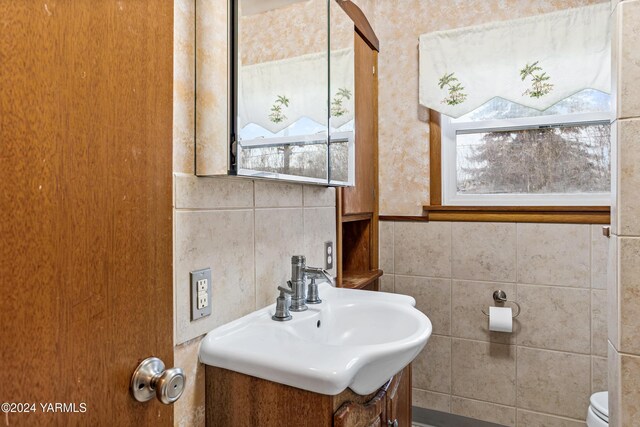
<point>203,301</point>
<point>200,293</point>
<point>202,285</point>
<point>328,255</point>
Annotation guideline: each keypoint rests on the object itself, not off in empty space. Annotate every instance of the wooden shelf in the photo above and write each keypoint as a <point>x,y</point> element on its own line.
<point>359,279</point>
<point>356,217</point>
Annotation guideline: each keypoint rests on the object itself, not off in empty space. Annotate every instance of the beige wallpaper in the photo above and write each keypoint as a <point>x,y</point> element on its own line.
<point>212,88</point>
<point>295,30</point>
<point>291,31</point>
<point>403,129</point>
<point>183,85</point>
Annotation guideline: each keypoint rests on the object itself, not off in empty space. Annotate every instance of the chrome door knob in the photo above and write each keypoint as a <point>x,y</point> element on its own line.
<point>393,423</point>
<point>151,379</point>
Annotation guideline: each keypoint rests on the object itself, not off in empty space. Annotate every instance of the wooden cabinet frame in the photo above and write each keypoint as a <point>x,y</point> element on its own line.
<point>357,207</point>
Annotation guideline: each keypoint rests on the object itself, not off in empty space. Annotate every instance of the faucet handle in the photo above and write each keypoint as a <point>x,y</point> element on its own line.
<point>312,293</point>
<point>282,310</point>
<point>320,273</point>
<point>284,290</point>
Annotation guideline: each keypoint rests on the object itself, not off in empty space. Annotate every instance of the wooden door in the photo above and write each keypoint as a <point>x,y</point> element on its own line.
<point>362,197</point>
<point>85,207</point>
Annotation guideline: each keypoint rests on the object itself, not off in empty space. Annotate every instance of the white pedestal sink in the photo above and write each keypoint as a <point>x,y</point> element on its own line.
<point>355,339</point>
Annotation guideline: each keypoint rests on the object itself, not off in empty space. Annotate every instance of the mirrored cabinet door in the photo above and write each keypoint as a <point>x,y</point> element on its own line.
<point>290,111</point>
<point>341,97</point>
<point>282,71</point>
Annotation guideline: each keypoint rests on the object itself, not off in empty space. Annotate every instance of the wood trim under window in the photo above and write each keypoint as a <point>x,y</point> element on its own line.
<point>435,211</point>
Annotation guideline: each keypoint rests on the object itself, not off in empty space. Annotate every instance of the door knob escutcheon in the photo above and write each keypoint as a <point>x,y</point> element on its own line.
<point>151,379</point>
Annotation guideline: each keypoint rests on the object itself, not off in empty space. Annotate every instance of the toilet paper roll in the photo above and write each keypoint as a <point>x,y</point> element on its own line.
<point>500,319</point>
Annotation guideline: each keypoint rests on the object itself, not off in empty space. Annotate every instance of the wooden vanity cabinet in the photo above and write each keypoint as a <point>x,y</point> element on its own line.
<point>399,398</point>
<point>239,400</point>
<point>370,414</point>
<point>391,406</point>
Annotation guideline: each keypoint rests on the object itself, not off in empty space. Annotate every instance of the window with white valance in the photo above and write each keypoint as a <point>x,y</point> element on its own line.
<point>277,94</point>
<point>535,62</point>
<point>525,109</point>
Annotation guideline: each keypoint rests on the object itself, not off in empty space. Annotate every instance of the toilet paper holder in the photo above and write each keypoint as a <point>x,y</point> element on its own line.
<point>500,296</point>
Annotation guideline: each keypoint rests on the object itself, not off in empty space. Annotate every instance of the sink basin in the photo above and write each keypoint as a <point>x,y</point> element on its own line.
<point>355,339</point>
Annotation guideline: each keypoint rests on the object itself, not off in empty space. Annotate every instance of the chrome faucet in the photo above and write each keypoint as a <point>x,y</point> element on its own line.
<point>297,285</point>
<point>299,273</point>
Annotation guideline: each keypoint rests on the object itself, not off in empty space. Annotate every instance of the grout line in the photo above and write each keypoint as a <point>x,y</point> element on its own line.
<point>393,249</point>
<point>497,282</point>
<point>304,233</point>
<point>519,345</point>
<point>562,417</point>
<point>554,287</point>
<point>516,337</point>
<point>517,246</point>
<point>255,270</point>
<point>590,240</point>
<point>463,280</point>
<point>591,371</point>
<point>218,209</point>
<point>620,353</point>
<point>591,256</point>
<point>450,313</point>
<point>591,325</point>
<point>287,208</point>
<point>515,359</point>
<point>475,399</point>
<point>174,259</point>
<point>450,250</point>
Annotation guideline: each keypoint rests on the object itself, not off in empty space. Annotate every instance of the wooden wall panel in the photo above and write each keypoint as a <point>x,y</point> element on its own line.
<point>85,206</point>
<point>239,400</point>
<point>356,246</point>
<point>362,197</point>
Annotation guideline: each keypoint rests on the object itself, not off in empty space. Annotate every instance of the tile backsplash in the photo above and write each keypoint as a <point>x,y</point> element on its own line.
<point>541,374</point>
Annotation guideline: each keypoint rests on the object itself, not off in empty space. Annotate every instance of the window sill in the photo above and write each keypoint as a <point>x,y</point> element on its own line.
<point>547,214</point>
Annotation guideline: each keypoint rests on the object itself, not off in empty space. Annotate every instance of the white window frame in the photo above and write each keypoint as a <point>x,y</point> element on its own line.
<point>450,128</point>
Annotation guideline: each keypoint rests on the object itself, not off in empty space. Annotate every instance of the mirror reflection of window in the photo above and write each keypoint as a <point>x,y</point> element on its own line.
<point>284,100</point>
<point>282,88</point>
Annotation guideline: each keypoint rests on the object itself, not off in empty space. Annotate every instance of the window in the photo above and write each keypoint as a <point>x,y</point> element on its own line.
<point>300,149</point>
<point>520,116</point>
<point>506,162</point>
<point>505,154</point>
